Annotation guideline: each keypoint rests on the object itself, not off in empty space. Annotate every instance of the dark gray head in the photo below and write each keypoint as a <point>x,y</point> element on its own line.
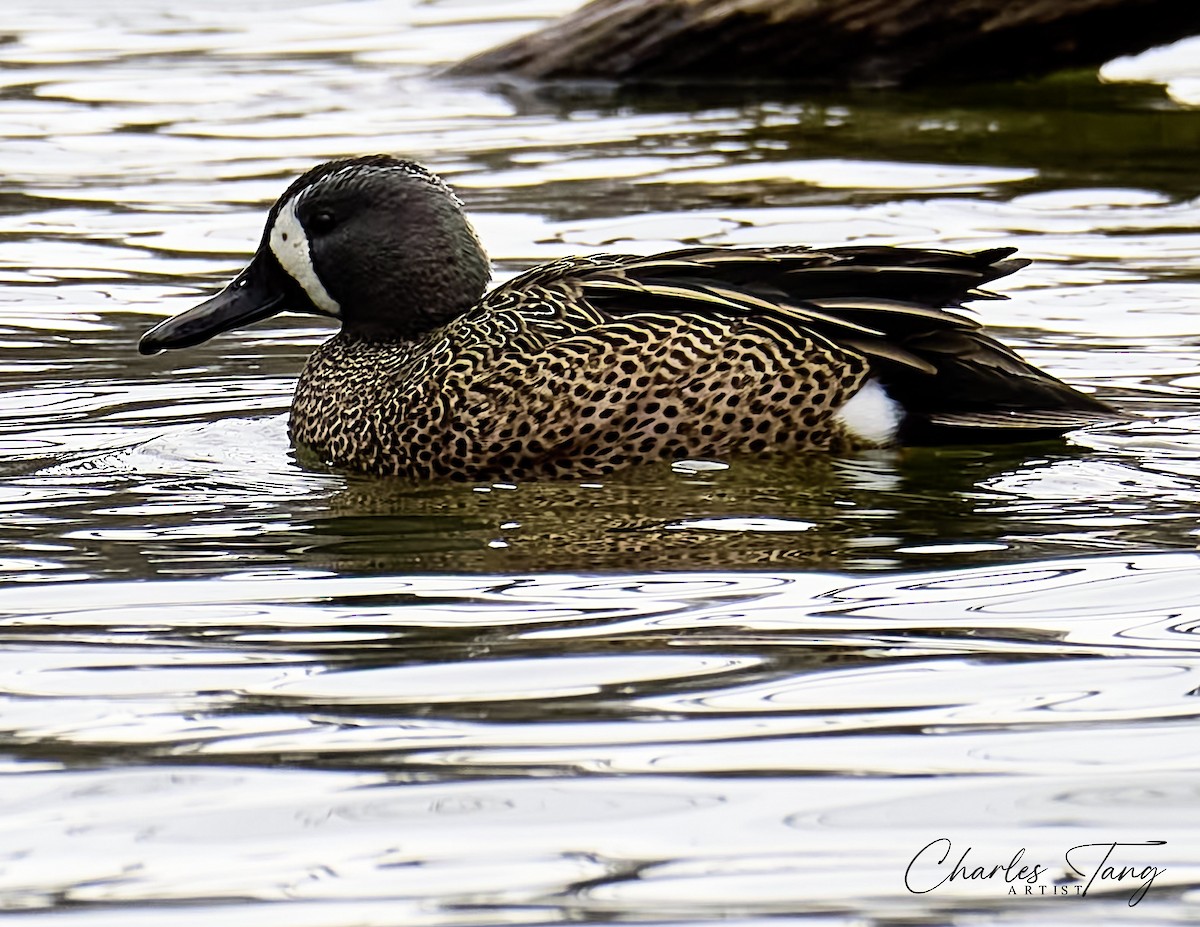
<point>379,243</point>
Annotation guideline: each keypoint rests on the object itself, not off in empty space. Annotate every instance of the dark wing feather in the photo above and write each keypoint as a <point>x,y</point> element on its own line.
<point>898,307</point>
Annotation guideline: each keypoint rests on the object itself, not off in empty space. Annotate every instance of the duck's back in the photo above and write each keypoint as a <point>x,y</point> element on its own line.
<point>587,365</point>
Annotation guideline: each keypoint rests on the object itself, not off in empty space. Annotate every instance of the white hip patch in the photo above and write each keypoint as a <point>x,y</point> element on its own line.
<point>871,415</point>
<point>289,244</point>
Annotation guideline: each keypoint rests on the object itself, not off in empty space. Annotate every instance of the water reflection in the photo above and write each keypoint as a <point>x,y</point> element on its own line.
<point>703,744</point>
<point>227,497</point>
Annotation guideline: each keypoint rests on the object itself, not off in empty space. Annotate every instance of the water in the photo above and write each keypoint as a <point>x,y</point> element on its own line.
<point>234,688</point>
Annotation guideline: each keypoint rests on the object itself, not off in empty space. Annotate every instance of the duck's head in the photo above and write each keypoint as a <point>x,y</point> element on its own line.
<point>379,243</point>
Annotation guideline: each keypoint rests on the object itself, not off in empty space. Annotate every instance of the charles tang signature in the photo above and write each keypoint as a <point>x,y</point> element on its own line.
<point>1098,865</point>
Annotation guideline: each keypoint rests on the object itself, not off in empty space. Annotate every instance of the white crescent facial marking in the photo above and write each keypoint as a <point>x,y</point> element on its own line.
<point>289,243</point>
<point>871,415</point>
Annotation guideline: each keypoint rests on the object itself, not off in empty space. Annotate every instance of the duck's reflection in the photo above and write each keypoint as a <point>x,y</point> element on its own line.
<point>810,512</point>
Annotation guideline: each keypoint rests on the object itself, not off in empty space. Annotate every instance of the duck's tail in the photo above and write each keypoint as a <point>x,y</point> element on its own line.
<point>901,308</point>
<point>966,386</point>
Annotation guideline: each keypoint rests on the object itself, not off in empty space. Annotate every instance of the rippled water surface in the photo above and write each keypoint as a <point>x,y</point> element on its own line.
<point>237,689</point>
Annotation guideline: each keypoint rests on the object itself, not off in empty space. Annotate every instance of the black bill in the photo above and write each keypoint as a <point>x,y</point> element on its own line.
<point>258,292</point>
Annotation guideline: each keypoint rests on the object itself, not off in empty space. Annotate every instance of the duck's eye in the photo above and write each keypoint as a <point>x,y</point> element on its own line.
<point>322,221</point>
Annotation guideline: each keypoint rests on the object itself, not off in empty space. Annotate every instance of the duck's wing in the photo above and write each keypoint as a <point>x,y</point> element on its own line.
<point>897,307</point>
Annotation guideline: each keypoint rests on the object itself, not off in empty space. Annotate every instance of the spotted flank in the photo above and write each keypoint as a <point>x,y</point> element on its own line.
<point>591,364</point>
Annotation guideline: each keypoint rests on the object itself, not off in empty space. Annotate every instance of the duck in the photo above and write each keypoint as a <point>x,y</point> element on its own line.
<point>588,365</point>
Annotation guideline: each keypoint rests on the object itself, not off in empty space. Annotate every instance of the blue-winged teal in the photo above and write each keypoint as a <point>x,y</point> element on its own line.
<point>589,364</point>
